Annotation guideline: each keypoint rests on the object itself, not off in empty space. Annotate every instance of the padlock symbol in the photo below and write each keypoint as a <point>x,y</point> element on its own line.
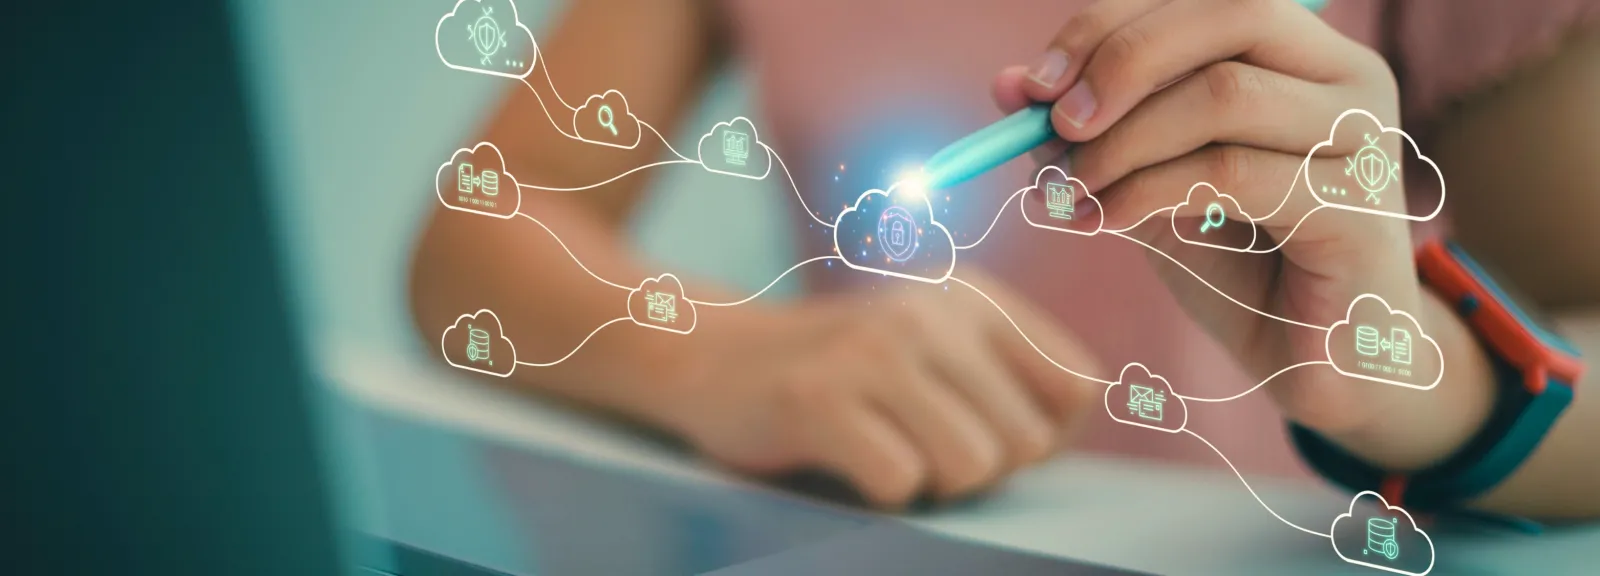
<point>897,234</point>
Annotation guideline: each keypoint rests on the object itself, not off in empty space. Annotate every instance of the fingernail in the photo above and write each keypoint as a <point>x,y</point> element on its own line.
<point>1047,70</point>
<point>1078,105</point>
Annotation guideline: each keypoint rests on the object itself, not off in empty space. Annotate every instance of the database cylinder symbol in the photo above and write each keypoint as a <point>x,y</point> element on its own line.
<point>1368,340</point>
<point>1380,538</point>
<point>477,344</point>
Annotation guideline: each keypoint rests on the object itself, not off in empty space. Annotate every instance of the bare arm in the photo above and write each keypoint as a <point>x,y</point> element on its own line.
<point>1524,195</point>
<point>657,53</point>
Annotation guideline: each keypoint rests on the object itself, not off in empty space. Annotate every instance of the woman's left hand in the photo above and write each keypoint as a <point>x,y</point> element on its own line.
<point>1157,95</point>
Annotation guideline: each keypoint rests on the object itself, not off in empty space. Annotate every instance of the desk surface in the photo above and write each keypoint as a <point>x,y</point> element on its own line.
<point>1124,513</point>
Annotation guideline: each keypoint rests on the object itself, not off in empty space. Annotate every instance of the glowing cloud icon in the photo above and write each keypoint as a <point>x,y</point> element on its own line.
<point>1376,535</point>
<point>1145,400</point>
<point>485,36</point>
<point>475,180</point>
<point>1378,343</point>
<point>734,148</point>
<point>1222,222</point>
<point>1061,210</point>
<point>659,303</point>
<point>478,343</point>
<point>1370,178</point>
<point>894,233</point>
<point>605,119</point>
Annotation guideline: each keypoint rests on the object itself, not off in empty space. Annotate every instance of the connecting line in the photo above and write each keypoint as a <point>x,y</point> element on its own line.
<point>1214,288</point>
<point>665,142</point>
<point>574,350</point>
<point>1025,335</point>
<point>1253,490</point>
<point>546,65</point>
<point>574,256</point>
<point>997,216</point>
<point>1290,192</point>
<point>553,122</point>
<point>813,215</point>
<point>1142,220</point>
<point>1253,388</point>
<point>769,285</point>
<point>1286,238</point>
<point>613,178</point>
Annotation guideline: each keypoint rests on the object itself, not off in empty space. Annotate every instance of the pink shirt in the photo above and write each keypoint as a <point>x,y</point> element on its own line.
<point>877,85</point>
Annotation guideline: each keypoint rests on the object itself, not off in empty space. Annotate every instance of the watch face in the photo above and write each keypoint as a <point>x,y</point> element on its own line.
<point>1527,311</point>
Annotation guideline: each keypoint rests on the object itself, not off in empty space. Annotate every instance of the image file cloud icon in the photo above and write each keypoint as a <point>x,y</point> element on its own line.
<point>485,36</point>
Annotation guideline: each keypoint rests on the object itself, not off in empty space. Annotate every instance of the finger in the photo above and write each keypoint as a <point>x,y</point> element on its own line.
<point>1265,183</point>
<point>1051,73</point>
<point>1177,39</point>
<point>962,452</point>
<point>871,452</point>
<point>974,369</point>
<point>1007,89</point>
<point>1225,103</point>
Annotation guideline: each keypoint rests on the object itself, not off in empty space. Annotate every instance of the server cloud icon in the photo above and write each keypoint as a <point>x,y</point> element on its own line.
<point>1063,208</point>
<point>1376,535</point>
<point>477,342</point>
<point>1371,177</point>
<point>475,180</point>
<point>1222,222</point>
<point>894,233</point>
<point>1142,399</point>
<point>734,148</point>
<point>606,120</point>
<point>1378,343</point>
<point>660,303</point>
<point>487,37</point>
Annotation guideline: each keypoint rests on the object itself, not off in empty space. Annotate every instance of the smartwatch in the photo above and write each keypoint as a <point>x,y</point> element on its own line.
<point>1535,371</point>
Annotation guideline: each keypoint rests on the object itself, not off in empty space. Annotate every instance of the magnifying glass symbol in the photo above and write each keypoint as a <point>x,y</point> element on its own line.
<point>1215,216</point>
<point>607,119</point>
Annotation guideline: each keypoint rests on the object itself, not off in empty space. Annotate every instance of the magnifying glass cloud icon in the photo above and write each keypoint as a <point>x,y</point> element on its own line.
<point>607,119</point>
<point>1215,216</point>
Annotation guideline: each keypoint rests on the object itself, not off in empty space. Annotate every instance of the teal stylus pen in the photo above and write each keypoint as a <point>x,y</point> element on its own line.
<point>998,143</point>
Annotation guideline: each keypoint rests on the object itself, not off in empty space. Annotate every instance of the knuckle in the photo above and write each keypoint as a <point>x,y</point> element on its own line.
<point>801,398</point>
<point>1233,86</point>
<point>1080,33</point>
<point>896,485</point>
<point>974,468</point>
<point>1230,166</point>
<point>1122,51</point>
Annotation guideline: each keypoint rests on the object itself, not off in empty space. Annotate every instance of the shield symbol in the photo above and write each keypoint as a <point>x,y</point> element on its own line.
<point>1373,169</point>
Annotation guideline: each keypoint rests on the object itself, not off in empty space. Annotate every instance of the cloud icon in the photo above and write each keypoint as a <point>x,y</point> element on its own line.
<point>1378,343</point>
<point>605,119</point>
<point>894,233</point>
<point>1376,535</point>
<point>475,180</point>
<point>478,343</point>
<point>659,303</point>
<point>734,148</point>
<point>1146,400</point>
<point>1370,178</point>
<point>485,36</point>
<point>1063,208</point>
<point>1222,224</point>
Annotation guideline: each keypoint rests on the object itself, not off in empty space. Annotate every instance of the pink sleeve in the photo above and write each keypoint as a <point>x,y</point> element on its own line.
<point>1445,50</point>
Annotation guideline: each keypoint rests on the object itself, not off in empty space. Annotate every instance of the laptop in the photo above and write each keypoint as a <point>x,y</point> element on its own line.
<point>166,419</point>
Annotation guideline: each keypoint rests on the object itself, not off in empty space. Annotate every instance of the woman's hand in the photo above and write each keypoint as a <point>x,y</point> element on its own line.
<point>933,391</point>
<point>1159,95</point>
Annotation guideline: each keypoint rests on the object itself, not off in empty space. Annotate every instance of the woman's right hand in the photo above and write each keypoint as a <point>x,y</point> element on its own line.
<point>935,392</point>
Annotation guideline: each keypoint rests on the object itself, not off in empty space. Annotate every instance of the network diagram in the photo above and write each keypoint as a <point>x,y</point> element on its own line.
<point>893,233</point>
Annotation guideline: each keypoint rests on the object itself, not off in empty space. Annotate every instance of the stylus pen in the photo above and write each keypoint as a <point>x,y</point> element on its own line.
<point>998,143</point>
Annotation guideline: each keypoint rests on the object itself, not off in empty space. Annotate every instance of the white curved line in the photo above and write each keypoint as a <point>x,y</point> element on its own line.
<point>1286,238</point>
<point>574,350</point>
<point>666,143</point>
<point>792,185</point>
<point>1253,388</point>
<point>1025,335</point>
<point>769,286</point>
<point>574,256</point>
<point>547,110</point>
<point>613,178</point>
<point>1214,288</point>
<point>1290,191</point>
<point>1253,490</point>
<point>997,216</point>
<point>1142,220</point>
<point>546,65</point>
